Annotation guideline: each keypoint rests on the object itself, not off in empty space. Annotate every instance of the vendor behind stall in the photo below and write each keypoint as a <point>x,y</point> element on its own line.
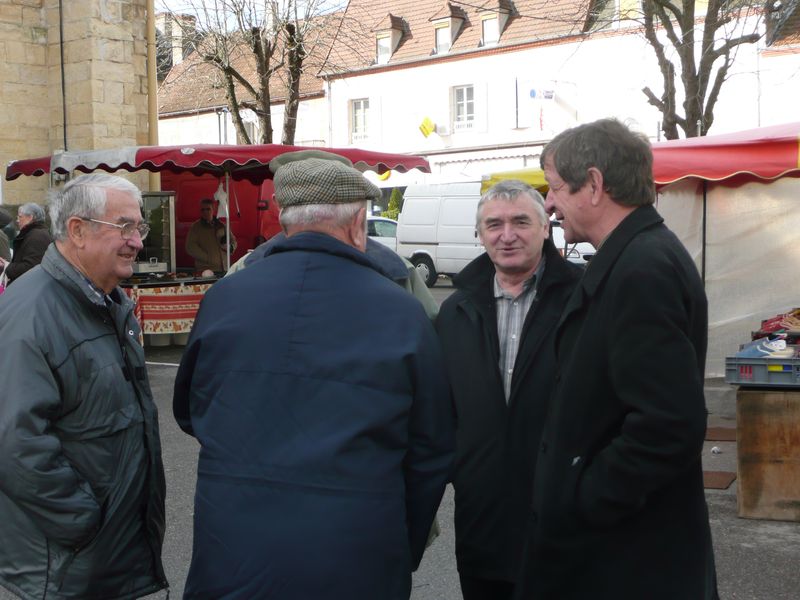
<point>206,240</point>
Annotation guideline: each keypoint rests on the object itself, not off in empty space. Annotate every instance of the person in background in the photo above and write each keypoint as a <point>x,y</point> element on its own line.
<point>618,509</point>
<point>5,244</point>
<point>31,241</point>
<point>497,337</point>
<point>321,407</point>
<point>205,241</point>
<point>81,478</point>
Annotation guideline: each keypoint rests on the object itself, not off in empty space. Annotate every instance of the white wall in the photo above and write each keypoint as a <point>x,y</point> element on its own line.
<point>592,79</point>
<point>210,128</point>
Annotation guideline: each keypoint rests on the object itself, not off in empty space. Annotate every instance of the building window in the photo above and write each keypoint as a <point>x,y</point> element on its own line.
<point>443,39</point>
<point>490,31</point>
<point>463,107</point>
<point>383,49</point>
<point>359,119</point>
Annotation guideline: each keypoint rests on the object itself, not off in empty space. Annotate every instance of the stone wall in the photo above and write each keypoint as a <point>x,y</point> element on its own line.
<point>105,89</point>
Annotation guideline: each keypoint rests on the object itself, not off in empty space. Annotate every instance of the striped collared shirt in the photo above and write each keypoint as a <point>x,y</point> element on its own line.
<point>511,313</point>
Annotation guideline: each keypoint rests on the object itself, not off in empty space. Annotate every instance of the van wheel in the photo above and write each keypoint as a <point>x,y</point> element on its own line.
<point>425,269</point>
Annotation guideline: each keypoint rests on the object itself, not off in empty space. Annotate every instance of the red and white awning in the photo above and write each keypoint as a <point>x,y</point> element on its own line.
<point>239,162</point>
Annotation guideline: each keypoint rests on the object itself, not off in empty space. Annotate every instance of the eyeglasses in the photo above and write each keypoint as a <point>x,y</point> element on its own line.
<point>126,229</point>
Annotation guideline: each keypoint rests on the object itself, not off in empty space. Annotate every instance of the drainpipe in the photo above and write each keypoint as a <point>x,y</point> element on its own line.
<point>330,111</point>
<point>63,78</point>
<point>152,90</point>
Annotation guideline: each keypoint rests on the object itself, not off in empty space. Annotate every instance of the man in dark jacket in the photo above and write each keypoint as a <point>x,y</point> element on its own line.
<point>316,389</point>
<point>618,507</point>
<point>31,241</point>
<point>81,479</point>
<point>497,337</point>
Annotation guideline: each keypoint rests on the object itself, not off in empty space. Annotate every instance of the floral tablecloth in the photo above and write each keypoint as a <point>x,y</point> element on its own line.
<point>167,309</point>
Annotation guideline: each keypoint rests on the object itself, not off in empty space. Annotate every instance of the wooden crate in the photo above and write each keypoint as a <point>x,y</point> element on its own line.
<point>768,444</point>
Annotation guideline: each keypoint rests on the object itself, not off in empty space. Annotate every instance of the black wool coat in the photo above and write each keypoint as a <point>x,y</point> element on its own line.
<point>496,442</point>
<point>29,248</point>
<point>619,510</point>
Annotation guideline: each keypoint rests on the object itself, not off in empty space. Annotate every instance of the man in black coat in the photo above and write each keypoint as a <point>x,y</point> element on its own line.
<point>31,241</point>
<point>496,332</point>
<point>618,507</point>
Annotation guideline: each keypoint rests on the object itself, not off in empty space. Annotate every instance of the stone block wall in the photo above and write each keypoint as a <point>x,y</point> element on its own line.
<point>105,91</point>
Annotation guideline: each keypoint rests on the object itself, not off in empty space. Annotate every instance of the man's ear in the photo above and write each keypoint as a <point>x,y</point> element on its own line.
<point>77,230</point>
<point>358,232</point>
<point>595,180</point>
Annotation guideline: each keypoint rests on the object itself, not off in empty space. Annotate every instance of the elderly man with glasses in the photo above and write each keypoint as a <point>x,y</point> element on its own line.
<point>81,478</point>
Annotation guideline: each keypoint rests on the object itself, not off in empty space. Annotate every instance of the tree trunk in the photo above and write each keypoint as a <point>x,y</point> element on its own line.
<point>295,55</point>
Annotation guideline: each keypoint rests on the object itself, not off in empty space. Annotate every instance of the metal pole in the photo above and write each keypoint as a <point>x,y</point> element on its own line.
<point>228,220</point>
<point>703,252</point>
<point>152,90</point>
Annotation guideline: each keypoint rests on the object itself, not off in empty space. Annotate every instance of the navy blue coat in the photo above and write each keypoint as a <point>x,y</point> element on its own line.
<point>316,389</point>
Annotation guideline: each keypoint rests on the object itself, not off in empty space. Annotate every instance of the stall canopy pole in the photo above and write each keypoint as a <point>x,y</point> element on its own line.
<point>228,220</point>
<point>703,249</point>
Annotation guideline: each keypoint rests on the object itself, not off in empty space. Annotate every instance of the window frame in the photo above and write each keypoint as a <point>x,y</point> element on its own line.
<point>387,39</point>
<point>467,123</point>
<point>496,21</point>
<point>443,28</point>
<point>359,119</point>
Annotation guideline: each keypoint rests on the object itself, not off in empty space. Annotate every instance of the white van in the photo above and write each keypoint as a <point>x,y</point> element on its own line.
<point>436,230</point>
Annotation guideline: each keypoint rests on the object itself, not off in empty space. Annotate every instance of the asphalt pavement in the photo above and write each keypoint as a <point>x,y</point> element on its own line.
<point>756,559</point>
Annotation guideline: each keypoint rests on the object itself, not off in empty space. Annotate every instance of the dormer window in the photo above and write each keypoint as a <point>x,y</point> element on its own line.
<point>447,24</point>
<point>443,39</point>
<point>490,31</point>
<point>383,51</point>
<point>388,34</point>
<point>494,15</point>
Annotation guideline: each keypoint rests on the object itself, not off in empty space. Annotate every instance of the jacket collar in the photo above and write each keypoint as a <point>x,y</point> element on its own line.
<point>55,265</point>
<point>603,261</point>
<point>311,241</point>
<point>476,277</point>
<point>640,219</point>
<point>28,228</point>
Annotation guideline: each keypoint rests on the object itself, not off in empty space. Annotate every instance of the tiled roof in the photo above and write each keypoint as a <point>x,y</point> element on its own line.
<point>787,31</point>
<point>529,21</point>
<point>195,85</point>
<point>389,21</point>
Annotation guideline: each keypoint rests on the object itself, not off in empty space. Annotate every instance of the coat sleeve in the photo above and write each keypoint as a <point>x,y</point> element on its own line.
<point>34,473</point>
<point>655,370</point>
<point>431,449</point>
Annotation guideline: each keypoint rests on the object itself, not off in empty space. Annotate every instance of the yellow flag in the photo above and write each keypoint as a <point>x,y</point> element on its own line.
<point>427,127</point>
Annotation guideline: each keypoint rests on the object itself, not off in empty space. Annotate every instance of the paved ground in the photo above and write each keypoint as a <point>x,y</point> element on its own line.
<point>756,560</point>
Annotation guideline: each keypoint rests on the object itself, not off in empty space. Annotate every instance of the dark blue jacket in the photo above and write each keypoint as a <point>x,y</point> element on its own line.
<point>316,389</point>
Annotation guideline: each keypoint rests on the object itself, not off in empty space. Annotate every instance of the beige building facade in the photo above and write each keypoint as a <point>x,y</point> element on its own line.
<point>83,90</point>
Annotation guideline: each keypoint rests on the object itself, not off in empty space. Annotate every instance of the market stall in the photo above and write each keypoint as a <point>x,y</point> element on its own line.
<point>166,304</point>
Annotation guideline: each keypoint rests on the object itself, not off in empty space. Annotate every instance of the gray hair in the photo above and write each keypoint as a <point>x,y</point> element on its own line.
<point>508,190</point>
<point>32,210</point>
<point>336,215</point>
<point>85,197</point>
<point>624,157</point>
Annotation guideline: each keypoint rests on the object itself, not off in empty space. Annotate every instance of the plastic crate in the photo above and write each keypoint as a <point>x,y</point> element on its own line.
<point>763,372</point>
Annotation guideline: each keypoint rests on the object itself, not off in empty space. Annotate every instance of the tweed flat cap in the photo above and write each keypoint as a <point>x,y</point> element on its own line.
<point>287,157</point>
<point>321,181</point>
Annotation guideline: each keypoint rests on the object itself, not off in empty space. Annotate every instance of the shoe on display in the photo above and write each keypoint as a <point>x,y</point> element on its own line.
<point>766,348</point>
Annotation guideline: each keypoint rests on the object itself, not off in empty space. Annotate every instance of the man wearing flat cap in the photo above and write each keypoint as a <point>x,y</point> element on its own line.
<point>324,418</point>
